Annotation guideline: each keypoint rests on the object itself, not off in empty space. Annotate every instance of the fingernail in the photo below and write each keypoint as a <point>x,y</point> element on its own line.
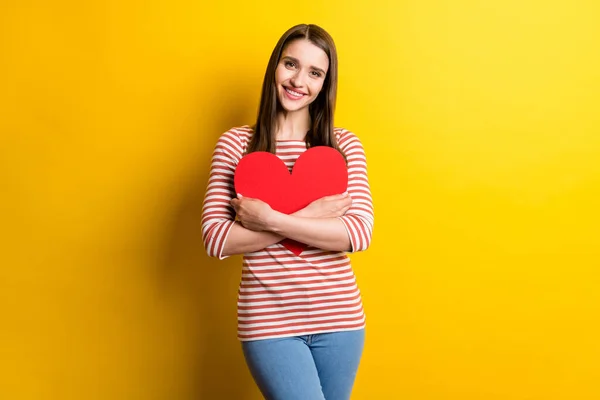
<point>239,196</point>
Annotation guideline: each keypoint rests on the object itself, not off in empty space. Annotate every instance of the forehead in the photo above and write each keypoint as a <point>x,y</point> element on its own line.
<point>307,53</point>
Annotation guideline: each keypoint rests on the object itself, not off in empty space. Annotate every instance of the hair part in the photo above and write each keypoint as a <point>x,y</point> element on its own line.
<point>321,110</point>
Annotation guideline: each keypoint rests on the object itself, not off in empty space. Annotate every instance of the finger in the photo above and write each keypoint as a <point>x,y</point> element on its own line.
<point>345,202</point>
<point>344,210</point>
<point>333,197</point>
<point>235,203</point>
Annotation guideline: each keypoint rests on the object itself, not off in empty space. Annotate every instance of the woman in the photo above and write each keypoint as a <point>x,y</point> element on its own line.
<point>300,318</point>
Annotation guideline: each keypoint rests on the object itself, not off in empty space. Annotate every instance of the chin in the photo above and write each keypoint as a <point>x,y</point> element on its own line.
<point>292,109</point>
<point>285,105</point>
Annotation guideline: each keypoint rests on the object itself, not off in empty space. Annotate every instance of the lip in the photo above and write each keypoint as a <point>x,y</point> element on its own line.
<point>291,96</point>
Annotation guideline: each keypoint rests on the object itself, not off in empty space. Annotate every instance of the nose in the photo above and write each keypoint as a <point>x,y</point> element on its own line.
<point>297,80</point>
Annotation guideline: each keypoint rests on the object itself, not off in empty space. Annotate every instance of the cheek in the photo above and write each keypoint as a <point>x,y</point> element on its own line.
<point>281,75</point>
<point>278,75</point>
<point>317,87</point>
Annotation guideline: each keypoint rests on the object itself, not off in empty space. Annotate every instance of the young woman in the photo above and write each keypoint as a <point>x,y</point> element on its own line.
<point>300,318</point>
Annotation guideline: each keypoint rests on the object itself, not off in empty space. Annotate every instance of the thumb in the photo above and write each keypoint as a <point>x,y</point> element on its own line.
<point>239,196</point>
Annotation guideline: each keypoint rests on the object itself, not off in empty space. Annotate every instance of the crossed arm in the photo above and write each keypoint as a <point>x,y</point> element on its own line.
<point>260,226</point>
<point>237,225</point>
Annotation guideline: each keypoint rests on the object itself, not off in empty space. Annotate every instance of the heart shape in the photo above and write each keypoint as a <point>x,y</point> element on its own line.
<point>319,171</point>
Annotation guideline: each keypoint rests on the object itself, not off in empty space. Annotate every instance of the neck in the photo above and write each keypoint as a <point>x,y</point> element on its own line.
<point>293,125</point>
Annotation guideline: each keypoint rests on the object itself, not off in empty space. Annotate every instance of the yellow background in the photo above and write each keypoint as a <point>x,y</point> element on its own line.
<point>481,124</point>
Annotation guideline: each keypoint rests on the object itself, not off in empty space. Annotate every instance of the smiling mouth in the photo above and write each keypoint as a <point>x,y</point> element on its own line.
<point>293,93</point>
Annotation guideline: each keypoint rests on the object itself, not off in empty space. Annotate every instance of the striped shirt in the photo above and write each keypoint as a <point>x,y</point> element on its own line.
<point>281,294</point>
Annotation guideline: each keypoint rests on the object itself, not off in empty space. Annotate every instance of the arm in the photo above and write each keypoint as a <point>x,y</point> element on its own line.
<point>316,224</point>
<point>360,218</point>
<point>218,217</point>
<point>348,231</point>
<point>222,235</point>
<point>242,240</point>
<point>352,231</point>
<point>323,233</point>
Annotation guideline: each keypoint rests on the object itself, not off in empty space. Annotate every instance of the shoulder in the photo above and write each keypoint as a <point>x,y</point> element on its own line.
<point>236,139</point>
<point>241,134</point>
<point>346,139</point>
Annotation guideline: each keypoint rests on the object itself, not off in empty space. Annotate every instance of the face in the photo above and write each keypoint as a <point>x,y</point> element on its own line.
<point>300,74</point>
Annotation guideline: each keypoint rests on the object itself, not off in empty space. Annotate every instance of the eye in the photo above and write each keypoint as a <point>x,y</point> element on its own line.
<point>290,64</point>
<point>316,74</point>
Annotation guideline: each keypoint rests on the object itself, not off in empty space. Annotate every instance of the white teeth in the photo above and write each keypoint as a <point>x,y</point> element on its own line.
<point>294,93</point>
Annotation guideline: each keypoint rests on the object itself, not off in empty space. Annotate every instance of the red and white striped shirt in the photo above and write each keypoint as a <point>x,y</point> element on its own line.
<point>281,294</point>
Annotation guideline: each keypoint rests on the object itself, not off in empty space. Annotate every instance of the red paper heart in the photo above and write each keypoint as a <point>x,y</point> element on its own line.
<point>319,171</point>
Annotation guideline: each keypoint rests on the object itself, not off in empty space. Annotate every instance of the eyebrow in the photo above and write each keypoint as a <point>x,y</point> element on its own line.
<point>298,61</point>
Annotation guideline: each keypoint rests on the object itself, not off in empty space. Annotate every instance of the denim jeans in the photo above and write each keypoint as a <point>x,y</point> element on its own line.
<point>311,367</point>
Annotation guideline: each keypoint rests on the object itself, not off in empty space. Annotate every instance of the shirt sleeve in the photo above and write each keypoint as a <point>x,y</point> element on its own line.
<point>218,216</point>
<point>359,218</point>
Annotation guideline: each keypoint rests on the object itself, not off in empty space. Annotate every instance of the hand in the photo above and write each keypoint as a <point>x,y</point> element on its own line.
<point>327,207</point>
<point>253,214</point>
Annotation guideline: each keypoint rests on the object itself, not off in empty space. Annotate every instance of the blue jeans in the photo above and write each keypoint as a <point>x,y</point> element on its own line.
<point>311,367</point>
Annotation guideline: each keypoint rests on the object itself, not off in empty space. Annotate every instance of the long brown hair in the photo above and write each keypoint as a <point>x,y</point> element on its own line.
<point>321,110</point>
